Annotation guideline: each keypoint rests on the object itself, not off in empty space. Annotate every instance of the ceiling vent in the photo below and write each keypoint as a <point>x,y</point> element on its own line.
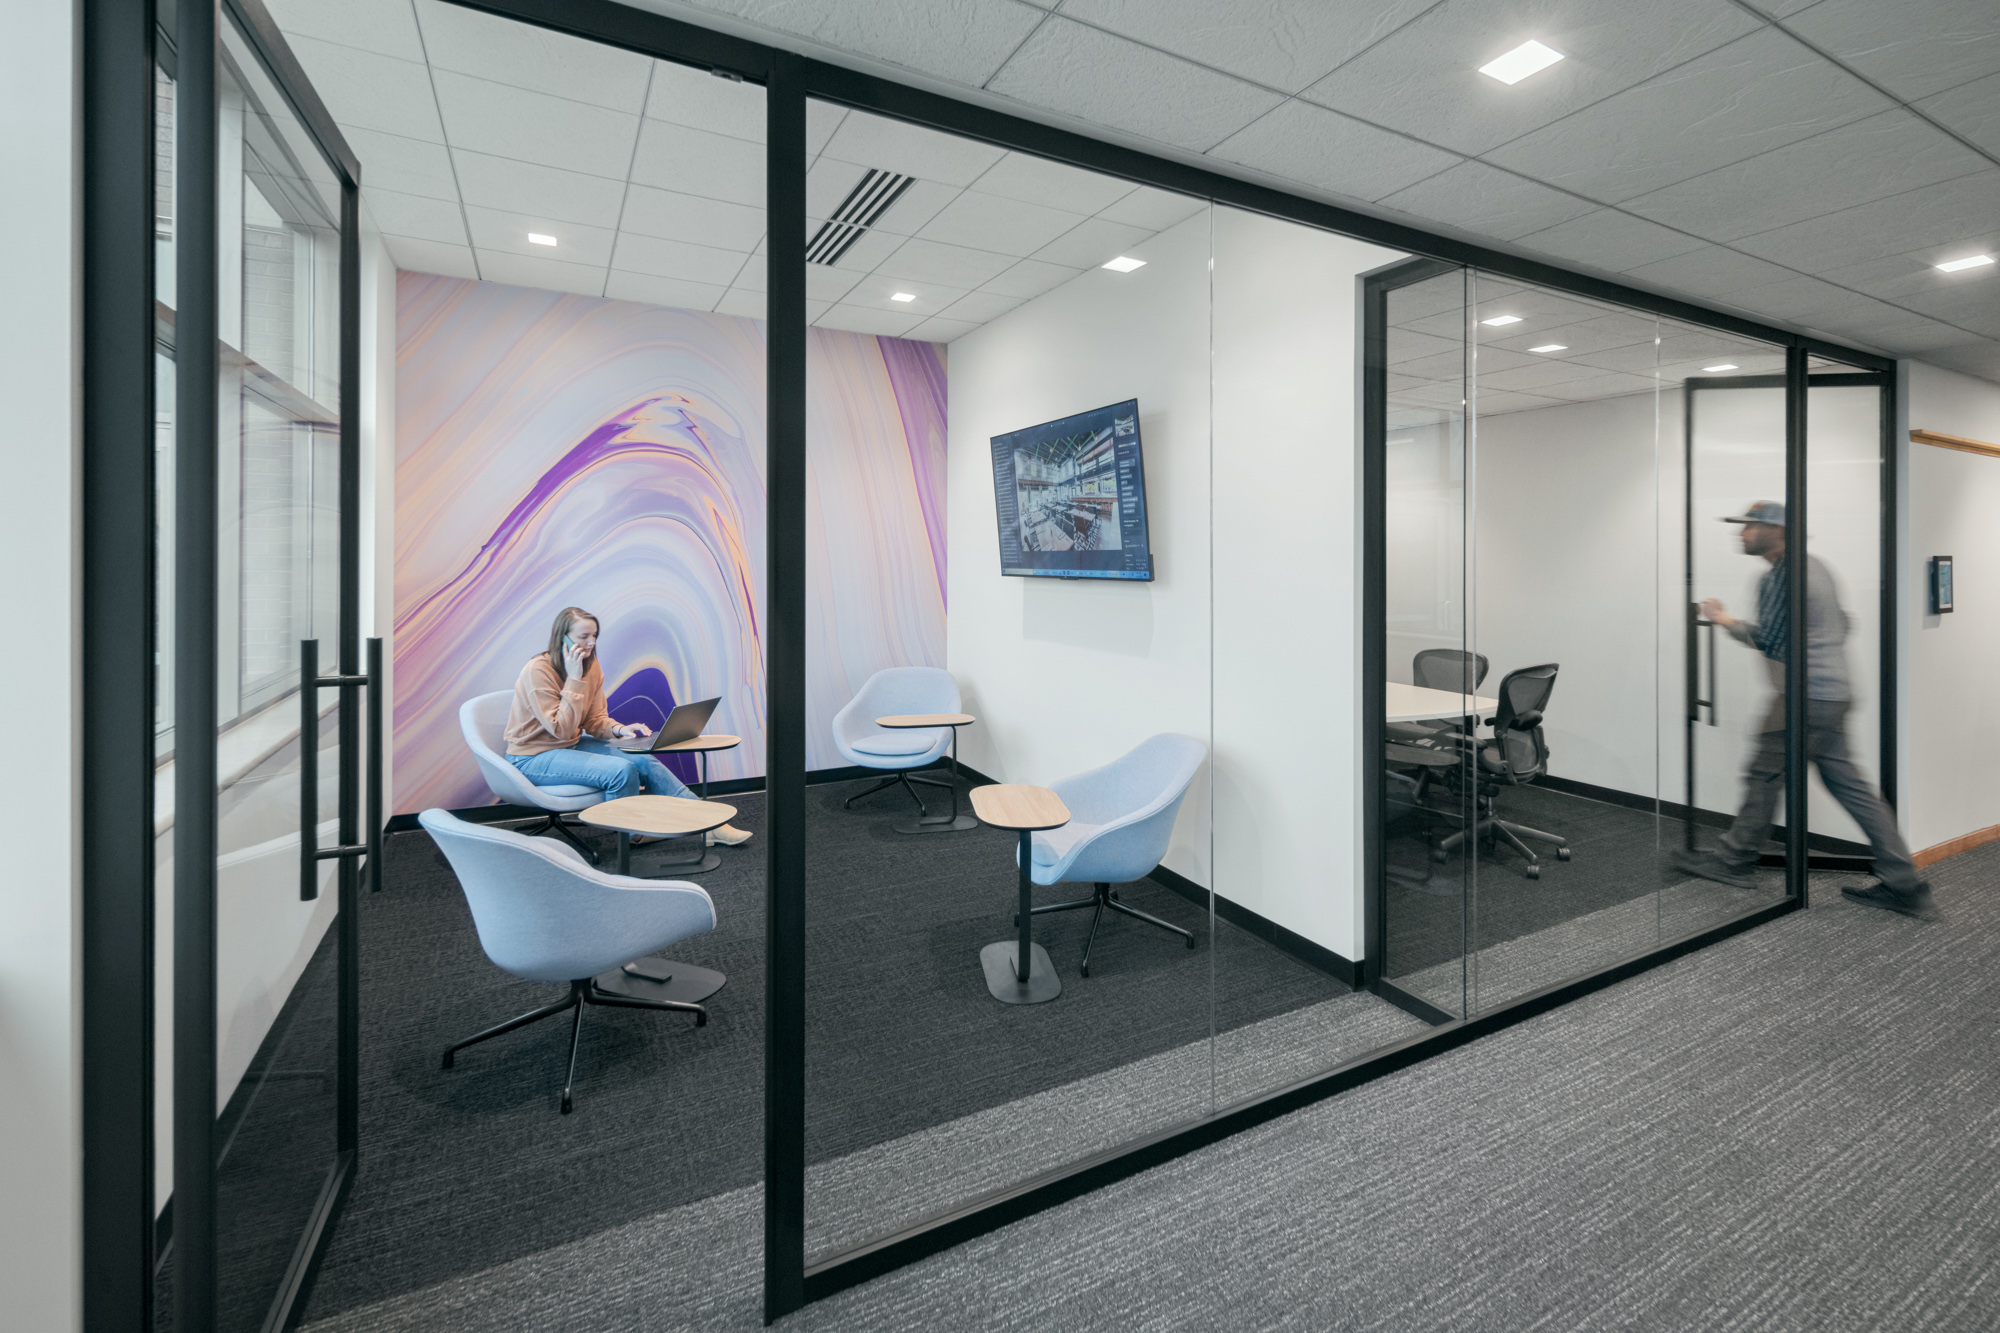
<point>864,204</point>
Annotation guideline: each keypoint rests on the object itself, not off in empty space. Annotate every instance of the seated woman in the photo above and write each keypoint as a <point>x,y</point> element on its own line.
<point>558,729</point>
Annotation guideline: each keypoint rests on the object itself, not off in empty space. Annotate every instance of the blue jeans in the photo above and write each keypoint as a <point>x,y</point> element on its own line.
<point>595,763</point>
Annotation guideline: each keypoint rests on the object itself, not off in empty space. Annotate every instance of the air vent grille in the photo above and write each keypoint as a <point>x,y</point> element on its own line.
<point>864,204</point>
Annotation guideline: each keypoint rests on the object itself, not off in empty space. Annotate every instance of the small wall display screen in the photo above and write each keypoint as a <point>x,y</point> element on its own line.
<point>1072,497</point>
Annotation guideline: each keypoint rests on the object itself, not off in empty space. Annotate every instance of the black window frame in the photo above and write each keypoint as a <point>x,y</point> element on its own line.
<point>118,595</point>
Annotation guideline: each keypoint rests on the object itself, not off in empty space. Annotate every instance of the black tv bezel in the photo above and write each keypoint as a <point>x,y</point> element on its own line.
<point>1145,504</point>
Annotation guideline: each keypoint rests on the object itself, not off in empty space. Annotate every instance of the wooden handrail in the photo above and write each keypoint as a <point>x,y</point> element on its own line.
<point>1943,441</point>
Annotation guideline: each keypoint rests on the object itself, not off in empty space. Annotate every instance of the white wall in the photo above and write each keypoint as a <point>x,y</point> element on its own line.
<point>1953,716</point>
<point>378,470</point>
<point>40,1073</point>
<point>1065,676</point>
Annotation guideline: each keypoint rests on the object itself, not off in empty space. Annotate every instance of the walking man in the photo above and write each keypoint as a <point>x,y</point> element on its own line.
<point>1827,700</point>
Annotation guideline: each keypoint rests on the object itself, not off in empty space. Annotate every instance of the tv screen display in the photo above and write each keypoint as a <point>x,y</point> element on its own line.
<point>1072,497</point>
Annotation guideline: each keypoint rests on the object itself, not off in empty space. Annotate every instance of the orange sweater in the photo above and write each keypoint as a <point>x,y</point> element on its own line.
<point>553,714</point>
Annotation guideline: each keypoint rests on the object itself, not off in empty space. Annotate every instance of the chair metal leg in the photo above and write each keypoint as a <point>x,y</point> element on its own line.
<point>1523,831</point>
<point>923,811</point>
<point>575,1039</point>
<point>929,782</point>
<point>1091,939</point>
<point>610,1001</point>
<point>1128,910</point>
<point>532,1016</point>
<point>556,823</point>
<point>848,804</point>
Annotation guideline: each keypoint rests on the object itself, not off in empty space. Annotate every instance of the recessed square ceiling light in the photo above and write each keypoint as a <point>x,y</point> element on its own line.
<point>903,296</point>
<point>1551,347</point>
<point>1727,365</point>
<point>1957,264</point>
<point>537,238</point>
<point>1498,320</point>
<point>1520,62</point>
<point>1125,264</point>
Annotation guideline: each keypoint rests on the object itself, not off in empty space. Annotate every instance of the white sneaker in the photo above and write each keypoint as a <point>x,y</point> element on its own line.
<point>727,836</point>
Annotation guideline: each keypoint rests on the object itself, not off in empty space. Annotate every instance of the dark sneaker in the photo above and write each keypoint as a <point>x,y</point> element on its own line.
<point>1710,866</point>
<point>1917,902</point>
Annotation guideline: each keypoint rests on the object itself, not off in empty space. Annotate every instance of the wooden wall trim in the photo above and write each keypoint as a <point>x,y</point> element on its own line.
<point>1944,441</point>
<point>1976,838</point>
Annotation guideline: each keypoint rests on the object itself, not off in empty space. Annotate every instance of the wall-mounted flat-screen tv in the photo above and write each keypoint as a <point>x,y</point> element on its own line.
<point>1071,495</point>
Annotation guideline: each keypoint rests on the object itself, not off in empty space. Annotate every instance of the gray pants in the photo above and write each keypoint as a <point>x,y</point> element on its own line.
<point>1826,747</point>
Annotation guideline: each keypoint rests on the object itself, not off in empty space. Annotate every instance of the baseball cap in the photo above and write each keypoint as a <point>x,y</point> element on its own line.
<point>1764,511</point>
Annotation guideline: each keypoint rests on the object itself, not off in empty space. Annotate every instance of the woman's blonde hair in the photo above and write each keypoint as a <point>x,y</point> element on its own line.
<point>565,621</point>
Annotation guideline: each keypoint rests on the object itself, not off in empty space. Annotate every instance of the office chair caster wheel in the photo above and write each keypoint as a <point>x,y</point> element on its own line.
<point>1440,855</point>
<point>1190,941</point>
<point>701,1018</point>
<point>1534,872</point>
<point>447,1061</point>
<point>566,1106</point>
<point>1085,969</point>
<point>1562,853</point>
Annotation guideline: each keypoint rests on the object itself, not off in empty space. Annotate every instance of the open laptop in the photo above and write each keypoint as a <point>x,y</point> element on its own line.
<point>683,724</point>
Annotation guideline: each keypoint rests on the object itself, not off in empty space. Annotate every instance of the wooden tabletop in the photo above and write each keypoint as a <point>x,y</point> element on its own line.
<point>1012,805</point>
<point>715,742</point>
<point>1414,703</point>
<point>925,720</point>
<point>663,816</point>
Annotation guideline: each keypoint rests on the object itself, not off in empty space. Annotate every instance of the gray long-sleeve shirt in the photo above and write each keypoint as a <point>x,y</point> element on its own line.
<point>1826,633</point>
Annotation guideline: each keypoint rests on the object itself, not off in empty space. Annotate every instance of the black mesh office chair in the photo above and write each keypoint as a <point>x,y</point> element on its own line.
<point>1514,755</point>
<point>1440,669</point>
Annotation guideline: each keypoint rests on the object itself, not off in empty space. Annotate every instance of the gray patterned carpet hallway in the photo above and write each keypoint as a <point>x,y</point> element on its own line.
<point>1798,1128</point>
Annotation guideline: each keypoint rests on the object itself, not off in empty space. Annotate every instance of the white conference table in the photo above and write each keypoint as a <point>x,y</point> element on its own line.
<point>1414,703</point>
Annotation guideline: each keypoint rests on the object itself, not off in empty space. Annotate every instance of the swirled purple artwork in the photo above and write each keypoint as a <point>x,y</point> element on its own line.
<point>556,450</point>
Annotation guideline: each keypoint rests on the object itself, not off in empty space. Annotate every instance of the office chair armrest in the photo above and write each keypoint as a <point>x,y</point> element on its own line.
<point>1527,721</point>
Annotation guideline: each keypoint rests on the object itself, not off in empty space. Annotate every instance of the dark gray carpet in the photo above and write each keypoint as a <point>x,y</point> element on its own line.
<point>471,1167</point>
<point>1797,1129</point>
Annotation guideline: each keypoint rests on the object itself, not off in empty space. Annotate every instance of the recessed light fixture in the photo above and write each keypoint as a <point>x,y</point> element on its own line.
<point>903,296</point>
<point>1551,347</point>
<point>1957,264</point>
<point>1499,320</point>
<point>1125,264</point>
<point>1520,62</point>
<point>537,238</point>
<point>1727,365</point>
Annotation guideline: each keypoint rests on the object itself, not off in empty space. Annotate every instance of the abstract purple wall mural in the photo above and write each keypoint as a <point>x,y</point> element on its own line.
<point>556,450</point>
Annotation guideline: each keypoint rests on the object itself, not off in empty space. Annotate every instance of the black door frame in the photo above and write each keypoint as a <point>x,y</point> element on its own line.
<point>789,81</point>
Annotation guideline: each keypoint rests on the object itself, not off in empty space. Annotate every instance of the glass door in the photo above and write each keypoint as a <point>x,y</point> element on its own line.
<point>260,747</point>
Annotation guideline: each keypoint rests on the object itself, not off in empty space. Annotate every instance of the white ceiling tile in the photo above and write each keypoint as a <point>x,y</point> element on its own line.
<point>863,255</point>
<point>951,265</point>
<point>407,166</point>
<point>1869,159</point>
<point>1030,277</point>
<point>1610,240</point>
<point>551,192</point>
<point>1913,47</point>
<point>387,27</point>
<point>823,284</point>
<point>1943,216</point>
<point>1923,338</point>
<point>504,121</point>
<point>1487,200</point>
<point>414,215</point>
<point>864,319</point>
<point>960,40</point>
<point>1971,109</point>
<point>920,203</point>
<point>1500,403</point>
<point>689,161</point>
<point>1109,81</point>
<point>1284,43</point>
<point>1091,243</point>
<point>940,330</point>
<point>704,101</point>
<point>506,51</point>
<point>1040,181</point>
<point>1979,358</point>
<point>739,301</point>
<point>1713,273</point>
<point>1003,226</point>
<point>875,141</point>
<point>830,181</point>
<point>494,230</point>
<point>1778,9</point>
<point>876,292</point>
<point>1972,306</point>
<point>371,91</point>
<point>1750,96</point>
<point>554,275</point>
<point>677,259</point>
<point>1424,78</point>
<point>654,290</point>
<point>981,306</point>
<point>1314,146</point>
<point>1798,300</point>
<point>1155,210</point>
<point>822,119</point>
<point>420,256</point>
<point>688,217</point>
<point>814,309</point>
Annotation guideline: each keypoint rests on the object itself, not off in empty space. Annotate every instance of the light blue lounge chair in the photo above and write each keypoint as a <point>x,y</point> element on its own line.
<point>483,721</point>
<point>891,692</point>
